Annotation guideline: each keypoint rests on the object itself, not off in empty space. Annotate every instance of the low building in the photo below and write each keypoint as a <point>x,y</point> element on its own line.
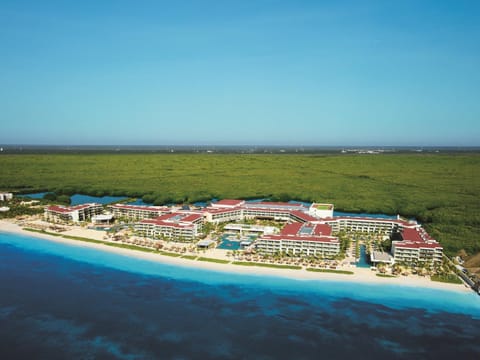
<point>205,244</point>
<point>321,210</point>
<point>102,219</point>
<point>137,212</point>
<point>381,257</point>
<point>84,212</point>
<point>5,196</point>
<point>179,225</point>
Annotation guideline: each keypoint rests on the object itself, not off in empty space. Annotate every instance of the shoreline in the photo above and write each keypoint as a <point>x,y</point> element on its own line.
<point>365,276</point>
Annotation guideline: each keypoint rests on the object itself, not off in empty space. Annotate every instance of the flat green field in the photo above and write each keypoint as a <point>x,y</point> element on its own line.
<point>443,191</point>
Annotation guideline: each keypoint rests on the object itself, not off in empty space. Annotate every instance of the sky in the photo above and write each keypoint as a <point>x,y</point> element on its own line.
<point>247,72</point>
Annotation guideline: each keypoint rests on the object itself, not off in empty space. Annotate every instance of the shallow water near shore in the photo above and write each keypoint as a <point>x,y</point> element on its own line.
<point>62,301</point>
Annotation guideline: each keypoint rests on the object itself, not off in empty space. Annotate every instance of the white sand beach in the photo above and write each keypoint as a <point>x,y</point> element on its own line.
<point>361,275</point>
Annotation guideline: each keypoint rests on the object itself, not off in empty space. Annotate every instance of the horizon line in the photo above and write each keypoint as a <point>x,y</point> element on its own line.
<point>240,145</point>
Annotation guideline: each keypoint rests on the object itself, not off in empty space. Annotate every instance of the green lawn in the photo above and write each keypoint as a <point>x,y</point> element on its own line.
<point>219,261</point>
<point>385,275</point>
<point>322,207</point>
<point>450,278</point>
<point>344,272</point>
<point>275,266</point>
<point>441,190</point>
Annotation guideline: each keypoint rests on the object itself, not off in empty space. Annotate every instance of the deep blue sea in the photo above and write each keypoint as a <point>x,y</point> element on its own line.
<point>72,302</point>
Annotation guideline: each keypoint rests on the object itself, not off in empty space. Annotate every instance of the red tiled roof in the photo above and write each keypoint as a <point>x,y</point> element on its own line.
<point>272,203</point>
<point>182,217</point>
<point>191,217</point>
<point>228,202</point>
<point>317,229</point>
<point>418,244</point>
<point>322,229</point>
<point>280,211</point>
<point>291,229</point>
<point>416,234</point>
<point>412,235</point>
<point>140,207</point>
<point>67,209</point>
<point>303,216</point>
<point>368,219</point>
<point>167,223</point>
<point>326,239</point>
<point>219,211</point>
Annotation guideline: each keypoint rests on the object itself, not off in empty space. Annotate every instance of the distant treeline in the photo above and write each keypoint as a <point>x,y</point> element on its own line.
<point>441,191</point>
<point>219,149</point>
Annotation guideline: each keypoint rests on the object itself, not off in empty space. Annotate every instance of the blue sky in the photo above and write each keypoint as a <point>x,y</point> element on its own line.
<point>240,72</point>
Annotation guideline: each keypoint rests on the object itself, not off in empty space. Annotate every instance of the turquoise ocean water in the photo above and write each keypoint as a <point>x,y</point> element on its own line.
<point>59,301</point>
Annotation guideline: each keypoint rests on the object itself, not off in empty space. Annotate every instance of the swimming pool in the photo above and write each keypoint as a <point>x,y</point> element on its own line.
<point>232,242</point>
<point>229,244</point>
<point>363,261</point>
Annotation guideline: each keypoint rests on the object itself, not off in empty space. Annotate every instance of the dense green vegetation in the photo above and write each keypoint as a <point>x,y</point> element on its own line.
<point>442,191</point>
<point>18,207</point>
<point>344,272</point>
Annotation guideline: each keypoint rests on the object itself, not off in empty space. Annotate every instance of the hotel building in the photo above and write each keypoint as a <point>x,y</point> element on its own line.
<point>279,211</point>
<point>135,212</point>
<point>219,215</point>
<point>301,239</point>
<point>181,225</point>
<point>416,246</point>
<point>84,212</point>
<point>364,224</point>
<point>237,210</point>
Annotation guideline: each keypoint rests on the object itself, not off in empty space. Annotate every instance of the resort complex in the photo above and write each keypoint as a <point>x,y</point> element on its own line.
<point>296,230</point>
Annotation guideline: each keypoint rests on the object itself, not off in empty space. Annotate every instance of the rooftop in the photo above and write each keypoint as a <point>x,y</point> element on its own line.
<point>228,202</point>
<point>417,244</point>
<point>68,209</point>
<point>324,239</point>
<point>140,207</point>
<point>307,229</point>
<point>274,205</point>
<point>302,215</point>
<point>323,206</point>
<point>178,217</point>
